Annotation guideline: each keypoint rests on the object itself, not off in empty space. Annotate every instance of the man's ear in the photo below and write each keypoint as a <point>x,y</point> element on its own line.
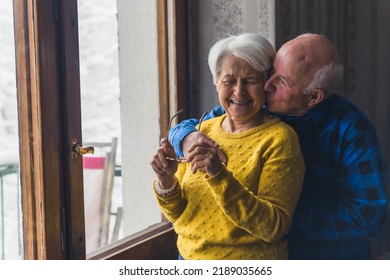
<point>316,97</point>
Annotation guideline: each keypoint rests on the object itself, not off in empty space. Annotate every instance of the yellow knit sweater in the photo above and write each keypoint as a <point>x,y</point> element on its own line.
<point>245,211</point>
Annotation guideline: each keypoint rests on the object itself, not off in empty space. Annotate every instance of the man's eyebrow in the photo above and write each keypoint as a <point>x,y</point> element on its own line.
<point>284,78</point>
<point>281,75</point>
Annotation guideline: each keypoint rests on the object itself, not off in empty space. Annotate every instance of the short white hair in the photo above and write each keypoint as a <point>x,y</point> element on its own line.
<point>251,47</point>
<point>327,79</point>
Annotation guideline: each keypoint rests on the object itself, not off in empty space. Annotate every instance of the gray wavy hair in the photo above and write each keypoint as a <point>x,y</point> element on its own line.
<point>327,79</point>
<point>251,47</point>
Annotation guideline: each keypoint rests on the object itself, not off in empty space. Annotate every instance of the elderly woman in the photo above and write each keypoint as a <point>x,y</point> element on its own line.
<point>241,209</point>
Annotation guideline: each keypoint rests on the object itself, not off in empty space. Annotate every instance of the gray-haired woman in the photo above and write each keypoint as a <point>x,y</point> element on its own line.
<point>241,209</point>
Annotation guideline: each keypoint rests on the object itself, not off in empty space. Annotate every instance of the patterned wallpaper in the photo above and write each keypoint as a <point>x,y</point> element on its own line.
<point>228,17</point>
<point>213,19</point>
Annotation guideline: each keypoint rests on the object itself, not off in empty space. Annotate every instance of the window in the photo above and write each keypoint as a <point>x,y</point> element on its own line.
<point>49,109</point>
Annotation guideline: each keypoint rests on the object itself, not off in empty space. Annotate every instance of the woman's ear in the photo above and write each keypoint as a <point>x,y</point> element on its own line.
<point>316,97</point>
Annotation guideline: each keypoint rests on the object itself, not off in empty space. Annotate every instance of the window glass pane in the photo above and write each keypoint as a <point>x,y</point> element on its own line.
<point>10,194</point>
<point>120,116</point>
<point>100,117</point>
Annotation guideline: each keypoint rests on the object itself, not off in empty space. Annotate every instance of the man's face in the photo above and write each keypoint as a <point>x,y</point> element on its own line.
<point>284,87</point>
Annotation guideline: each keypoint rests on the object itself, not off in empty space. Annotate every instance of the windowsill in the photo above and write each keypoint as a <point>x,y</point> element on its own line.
<point>136,246</point>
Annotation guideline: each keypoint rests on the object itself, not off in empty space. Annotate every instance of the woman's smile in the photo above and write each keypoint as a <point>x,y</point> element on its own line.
<point>240,102</point>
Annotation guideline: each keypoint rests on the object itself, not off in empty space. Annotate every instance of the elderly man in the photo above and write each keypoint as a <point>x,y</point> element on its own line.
<point>344,198</point>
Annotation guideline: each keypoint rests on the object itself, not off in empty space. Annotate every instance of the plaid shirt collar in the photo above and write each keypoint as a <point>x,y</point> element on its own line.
<point>316,116</point>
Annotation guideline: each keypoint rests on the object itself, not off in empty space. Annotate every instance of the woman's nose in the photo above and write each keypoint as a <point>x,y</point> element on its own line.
<point>240,88</point>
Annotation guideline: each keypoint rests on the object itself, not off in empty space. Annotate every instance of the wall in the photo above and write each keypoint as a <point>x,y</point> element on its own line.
<point>139,110</point>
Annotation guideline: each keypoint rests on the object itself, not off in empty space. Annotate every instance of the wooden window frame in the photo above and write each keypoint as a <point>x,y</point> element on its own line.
<point>179,60</point>
<point>48,86</point>
<point>46,43</point>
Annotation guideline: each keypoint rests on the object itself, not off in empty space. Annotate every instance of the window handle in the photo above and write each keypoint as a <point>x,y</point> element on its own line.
<point>76,149</point>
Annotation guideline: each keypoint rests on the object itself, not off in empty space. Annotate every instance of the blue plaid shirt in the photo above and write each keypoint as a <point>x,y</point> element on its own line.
<point>344,198</point>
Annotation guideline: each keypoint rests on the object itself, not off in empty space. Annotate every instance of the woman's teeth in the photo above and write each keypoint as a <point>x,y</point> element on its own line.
<point>239,102</point>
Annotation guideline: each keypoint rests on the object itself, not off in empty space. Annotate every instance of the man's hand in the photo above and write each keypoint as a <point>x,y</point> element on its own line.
<point>190,139</point>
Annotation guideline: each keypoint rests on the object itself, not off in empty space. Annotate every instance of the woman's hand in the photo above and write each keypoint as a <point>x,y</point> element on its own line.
<point>165,169</point>
<point>204,156</point>
<point>191,138</point>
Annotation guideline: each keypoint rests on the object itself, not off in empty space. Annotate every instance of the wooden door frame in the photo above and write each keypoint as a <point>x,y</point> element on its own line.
<point>48,88</point>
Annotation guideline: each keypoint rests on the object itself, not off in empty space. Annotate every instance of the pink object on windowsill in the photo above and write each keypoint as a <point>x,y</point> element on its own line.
<point>93,162</point>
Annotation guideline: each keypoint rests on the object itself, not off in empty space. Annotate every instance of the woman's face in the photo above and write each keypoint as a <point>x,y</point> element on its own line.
<point>240,89</point>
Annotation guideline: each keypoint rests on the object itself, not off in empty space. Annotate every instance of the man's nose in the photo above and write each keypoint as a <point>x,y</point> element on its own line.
<point>269,84</point>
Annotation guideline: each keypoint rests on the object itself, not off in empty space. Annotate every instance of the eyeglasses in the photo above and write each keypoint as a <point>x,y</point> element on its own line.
<point>178,159</point>
<point>183,159</point>
<point>200,123</point>
<point>171,119</point>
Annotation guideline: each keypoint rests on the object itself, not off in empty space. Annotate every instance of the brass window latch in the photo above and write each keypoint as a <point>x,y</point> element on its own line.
<point>76,149</point>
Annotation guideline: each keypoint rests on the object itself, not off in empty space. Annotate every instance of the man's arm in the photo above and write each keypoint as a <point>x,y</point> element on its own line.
<point>360,210</point>
<point>179,132</point>
<point>363,186</point>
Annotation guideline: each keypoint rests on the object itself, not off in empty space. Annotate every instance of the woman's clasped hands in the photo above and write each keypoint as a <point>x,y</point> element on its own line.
<point>203,155</point>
